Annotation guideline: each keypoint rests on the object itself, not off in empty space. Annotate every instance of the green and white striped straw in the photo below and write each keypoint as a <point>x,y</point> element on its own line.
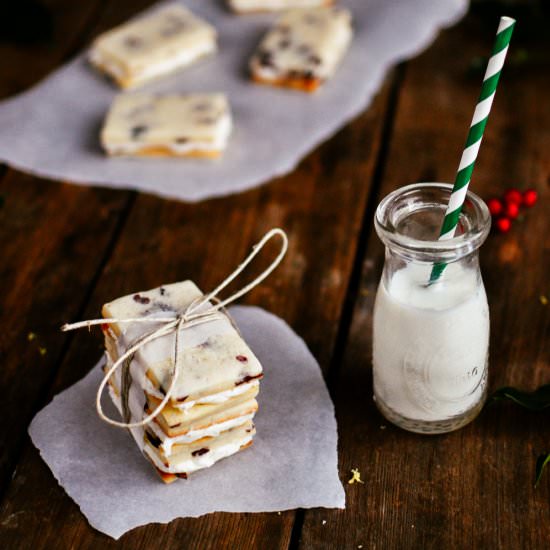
<point>475,135</point>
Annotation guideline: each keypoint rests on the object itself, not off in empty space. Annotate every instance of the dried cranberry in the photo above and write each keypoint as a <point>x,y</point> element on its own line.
<point>133,42</point>
<point>266,59</point>
<point>141,299</point>
<point>200,452</point>
<point>138,131</point>
<point>153,439</point>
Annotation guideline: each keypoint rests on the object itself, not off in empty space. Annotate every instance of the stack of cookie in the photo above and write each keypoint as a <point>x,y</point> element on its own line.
<point>210,412</point>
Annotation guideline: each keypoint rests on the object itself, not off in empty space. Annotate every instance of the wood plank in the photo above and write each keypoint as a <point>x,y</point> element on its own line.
<point>321,206</point>
<point>472,488</point>
<point>53,238</point>
<point>26,61</point>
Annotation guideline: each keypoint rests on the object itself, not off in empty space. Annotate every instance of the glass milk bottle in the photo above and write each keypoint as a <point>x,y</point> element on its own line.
<point>430,341</point>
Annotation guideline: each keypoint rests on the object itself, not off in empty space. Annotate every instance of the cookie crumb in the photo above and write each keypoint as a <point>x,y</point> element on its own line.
<point>31,336</point>
<point>543,300</point>
<point>42,351</point>
<point>356,476</point>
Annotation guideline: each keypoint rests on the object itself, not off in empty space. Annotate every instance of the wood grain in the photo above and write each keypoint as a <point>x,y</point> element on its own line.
<point>54,238</point>
<point>66,250</point>
<point>25,63</point>
<point>321,207</point>
<point>472,488</point>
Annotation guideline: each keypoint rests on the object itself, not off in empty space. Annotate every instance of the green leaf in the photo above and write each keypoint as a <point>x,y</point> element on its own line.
<point>537,400</point>
<point>542,461</point>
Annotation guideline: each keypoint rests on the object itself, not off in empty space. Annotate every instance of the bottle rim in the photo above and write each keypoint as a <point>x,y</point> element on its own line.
<point>475,219</point>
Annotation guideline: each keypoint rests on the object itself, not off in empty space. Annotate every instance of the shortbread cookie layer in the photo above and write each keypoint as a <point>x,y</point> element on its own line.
<point>186,458</point>
<point>303,49</point>
<point>175,423</point>
<point>189,125</point>
<point>170,478</point>
<point>200,454</point>
<point>172,445</point>
<point>152,46</point>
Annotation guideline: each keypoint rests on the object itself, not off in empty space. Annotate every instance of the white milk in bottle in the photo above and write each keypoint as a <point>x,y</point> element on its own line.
<point>430,341</point>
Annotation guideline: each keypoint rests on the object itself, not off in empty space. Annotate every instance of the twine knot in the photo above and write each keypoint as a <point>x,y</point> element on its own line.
<point>194,314</point>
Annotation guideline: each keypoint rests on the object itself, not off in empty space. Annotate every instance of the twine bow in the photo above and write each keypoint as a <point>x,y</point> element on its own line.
<point>192,315</point>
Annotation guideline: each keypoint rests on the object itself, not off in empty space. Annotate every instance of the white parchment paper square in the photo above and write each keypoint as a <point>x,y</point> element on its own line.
<point>293,462</point>
<point>52,130</point>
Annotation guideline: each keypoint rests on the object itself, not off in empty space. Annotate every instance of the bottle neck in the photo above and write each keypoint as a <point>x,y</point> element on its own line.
<point>408,222</point>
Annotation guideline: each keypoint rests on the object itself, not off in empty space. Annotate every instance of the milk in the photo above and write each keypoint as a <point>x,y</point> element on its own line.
<point>430,343</point>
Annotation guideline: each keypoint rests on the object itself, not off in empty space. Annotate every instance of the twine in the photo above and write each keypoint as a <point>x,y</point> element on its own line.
<point>187,319</point>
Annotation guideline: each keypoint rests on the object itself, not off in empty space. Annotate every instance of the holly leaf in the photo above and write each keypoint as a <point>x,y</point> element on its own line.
<point>542,461</point>
<point>537,400</point>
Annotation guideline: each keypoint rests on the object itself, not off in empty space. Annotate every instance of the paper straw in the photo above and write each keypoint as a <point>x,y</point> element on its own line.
<point>475,135</point>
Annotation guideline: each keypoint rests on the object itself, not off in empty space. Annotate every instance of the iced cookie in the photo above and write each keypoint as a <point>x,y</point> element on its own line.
<point>303,49</point>
<point>194,125</point>
<point>152,46</point>
<point>200,454</point>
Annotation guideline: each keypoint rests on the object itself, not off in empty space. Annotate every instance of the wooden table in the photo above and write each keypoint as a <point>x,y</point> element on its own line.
<point>67,249</point>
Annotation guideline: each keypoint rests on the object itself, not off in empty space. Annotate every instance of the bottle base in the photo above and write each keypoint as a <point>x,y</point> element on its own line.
<point>428,427</point>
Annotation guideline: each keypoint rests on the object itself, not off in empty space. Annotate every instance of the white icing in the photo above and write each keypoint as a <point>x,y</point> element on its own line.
<point>218,397</point>
<point>198,462</point>
<point>218,142</point>
<point>212,431</point>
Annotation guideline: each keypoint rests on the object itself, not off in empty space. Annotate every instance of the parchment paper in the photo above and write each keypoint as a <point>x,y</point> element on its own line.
<point>292,463</point>
<point>52,130</point>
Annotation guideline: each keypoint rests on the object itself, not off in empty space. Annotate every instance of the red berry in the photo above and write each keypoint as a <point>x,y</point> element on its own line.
<point>513,195</point>
<point>530,197</point>
<point>504,225</point>
<point>511,210</point>
<point>495,206</point>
